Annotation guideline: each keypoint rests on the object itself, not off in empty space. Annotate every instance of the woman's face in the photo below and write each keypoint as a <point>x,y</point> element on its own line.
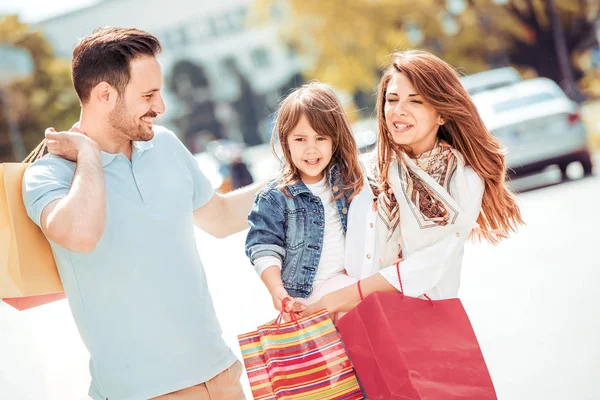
<point>410,120</point>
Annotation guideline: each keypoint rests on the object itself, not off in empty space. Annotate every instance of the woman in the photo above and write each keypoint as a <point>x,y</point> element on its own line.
<point>437,179</point>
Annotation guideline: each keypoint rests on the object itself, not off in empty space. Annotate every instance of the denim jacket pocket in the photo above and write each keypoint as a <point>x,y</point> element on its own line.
<point>295,228</point>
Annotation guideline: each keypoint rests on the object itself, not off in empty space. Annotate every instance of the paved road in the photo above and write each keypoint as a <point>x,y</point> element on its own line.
<point>532,299</point>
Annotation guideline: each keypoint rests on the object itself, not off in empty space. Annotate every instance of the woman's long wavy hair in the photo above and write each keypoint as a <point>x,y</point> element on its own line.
<point>438,83</point>
<point>326,116</point>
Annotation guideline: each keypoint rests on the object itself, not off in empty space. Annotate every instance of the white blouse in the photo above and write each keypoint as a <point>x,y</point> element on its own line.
<point>432,257</point>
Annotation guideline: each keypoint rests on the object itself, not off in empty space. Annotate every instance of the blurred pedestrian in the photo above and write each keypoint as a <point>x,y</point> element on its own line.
<point>240,174</point>
<point>118,199</point>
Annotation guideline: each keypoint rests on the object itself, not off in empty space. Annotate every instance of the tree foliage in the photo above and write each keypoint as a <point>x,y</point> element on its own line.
<point>44,99</point>
<point>347,42</point>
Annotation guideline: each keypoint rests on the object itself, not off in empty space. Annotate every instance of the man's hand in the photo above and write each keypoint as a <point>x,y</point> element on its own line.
<point>69,144</point>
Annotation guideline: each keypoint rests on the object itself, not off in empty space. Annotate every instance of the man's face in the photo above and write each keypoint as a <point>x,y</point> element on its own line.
<point>141,101</point>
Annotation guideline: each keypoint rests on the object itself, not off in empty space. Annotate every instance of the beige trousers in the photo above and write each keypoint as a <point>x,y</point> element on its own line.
<point>225,386</point>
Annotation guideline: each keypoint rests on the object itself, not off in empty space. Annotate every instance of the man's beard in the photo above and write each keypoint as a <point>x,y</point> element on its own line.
<point>123,124</point>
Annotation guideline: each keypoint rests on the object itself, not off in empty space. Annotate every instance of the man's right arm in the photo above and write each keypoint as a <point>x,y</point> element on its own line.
<point>76,221</point>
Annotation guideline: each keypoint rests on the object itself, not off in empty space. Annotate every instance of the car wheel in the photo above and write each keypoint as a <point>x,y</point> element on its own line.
<point>588,167</point>
<point>563,172</point>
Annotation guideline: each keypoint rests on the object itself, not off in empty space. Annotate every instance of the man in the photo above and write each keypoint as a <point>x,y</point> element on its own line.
<point>118,200</point>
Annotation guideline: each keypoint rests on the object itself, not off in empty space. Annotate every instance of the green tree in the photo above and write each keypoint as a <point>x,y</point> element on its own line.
<point>44,99</point>
<point>347,42</point>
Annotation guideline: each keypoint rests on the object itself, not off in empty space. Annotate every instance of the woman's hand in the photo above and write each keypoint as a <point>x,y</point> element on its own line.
<point>324,303</point>
<point>343,300</point>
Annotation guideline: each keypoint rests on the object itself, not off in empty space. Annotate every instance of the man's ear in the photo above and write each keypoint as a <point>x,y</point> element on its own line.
<point>104,93</point>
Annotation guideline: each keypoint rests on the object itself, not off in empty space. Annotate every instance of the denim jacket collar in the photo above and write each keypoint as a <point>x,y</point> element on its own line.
<point>300,187</point>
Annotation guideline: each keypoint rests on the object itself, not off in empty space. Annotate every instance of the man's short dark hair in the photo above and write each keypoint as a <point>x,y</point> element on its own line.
<point>105,56</point>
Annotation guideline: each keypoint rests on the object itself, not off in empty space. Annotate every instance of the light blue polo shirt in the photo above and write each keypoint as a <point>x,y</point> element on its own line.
<point>140,299</point>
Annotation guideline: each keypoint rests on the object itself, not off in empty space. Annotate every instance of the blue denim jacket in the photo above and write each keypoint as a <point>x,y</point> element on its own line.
<point>292,229</point>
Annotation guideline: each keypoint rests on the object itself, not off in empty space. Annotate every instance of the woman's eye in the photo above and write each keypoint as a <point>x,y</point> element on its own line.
<point>417,101</point>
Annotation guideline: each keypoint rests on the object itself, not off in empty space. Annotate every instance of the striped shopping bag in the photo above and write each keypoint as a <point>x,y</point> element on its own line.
<point>301,359</point>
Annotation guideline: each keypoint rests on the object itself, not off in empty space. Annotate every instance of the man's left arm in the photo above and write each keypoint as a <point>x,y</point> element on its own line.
<point>216,214</point>
<point>224,215</point>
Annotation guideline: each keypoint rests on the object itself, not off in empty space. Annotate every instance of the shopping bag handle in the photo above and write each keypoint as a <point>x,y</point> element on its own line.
<point>279,319</point>
<point>402,287</point>
<point>36,153</point>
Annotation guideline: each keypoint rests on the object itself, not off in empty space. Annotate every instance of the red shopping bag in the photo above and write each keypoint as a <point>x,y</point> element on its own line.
<point>301,359</point>
<point>25,303</point>
<point>412,349</point>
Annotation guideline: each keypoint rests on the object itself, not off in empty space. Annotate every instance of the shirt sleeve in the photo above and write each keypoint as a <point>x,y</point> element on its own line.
<point>44,181</point>
<point>424,268</point>
<point>262,263</point>
<point>475,187</point>
<point>203,190</point>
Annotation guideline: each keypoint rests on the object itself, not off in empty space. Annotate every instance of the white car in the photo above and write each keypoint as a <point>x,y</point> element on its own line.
<point>538,124</point>
<point>489,80</point>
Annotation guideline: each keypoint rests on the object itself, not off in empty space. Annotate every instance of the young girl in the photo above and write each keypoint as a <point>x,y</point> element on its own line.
<point>298,222</point>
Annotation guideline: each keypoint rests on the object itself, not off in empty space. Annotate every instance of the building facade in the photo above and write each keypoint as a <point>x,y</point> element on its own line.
<point>223,75</point>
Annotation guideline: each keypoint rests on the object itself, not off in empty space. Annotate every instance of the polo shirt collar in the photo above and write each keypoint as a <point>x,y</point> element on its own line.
<point>143,146</point>
<point>138,146</point>
<point>107,158</point>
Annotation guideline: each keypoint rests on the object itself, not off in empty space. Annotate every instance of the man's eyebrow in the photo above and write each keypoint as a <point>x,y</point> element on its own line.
<point>152,91</point>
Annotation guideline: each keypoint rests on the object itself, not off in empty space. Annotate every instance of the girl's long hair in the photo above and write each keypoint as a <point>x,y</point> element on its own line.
<point>326,116</point>
<point>438,83</point>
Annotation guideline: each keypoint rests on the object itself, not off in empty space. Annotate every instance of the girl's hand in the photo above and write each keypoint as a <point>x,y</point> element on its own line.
<point>278,294</point>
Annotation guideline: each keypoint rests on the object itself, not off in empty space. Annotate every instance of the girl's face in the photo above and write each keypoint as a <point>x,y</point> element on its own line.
<point>310,151</point>
<point>409,118</point>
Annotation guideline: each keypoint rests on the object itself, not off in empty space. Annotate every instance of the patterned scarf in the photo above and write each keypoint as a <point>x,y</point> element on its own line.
<point>429,208</point>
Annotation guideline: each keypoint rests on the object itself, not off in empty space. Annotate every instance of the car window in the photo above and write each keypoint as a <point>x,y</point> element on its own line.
<point>490,80</point>
<point>485,88</point>
<point>523,101</point>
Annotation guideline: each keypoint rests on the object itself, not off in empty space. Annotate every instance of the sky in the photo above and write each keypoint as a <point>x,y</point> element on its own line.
<point>36,10</point>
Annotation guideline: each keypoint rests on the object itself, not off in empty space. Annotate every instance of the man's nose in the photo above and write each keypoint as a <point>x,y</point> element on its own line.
<point>159,105</point>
